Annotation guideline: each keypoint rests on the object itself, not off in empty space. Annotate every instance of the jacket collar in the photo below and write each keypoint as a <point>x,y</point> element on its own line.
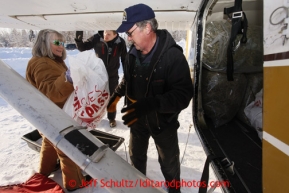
<point>149,56</point>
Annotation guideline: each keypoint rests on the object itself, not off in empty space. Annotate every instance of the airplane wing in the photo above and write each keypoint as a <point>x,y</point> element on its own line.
<point>67,15</point>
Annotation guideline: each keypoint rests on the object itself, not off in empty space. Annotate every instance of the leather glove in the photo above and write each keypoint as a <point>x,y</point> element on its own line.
<point>138,109</point>
<point>68,77</point>
<point>78,36</point>
<point>111,107</point>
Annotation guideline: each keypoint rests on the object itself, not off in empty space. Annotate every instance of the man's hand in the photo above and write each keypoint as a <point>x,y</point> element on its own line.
<point>78,35</point>
<point>138,109</point>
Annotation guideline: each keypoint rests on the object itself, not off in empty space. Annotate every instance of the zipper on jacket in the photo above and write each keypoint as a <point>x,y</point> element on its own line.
<point>107,55</point>
<point>158,125</point>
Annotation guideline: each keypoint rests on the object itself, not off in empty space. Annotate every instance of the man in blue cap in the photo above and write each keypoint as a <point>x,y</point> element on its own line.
<point>157,85</point>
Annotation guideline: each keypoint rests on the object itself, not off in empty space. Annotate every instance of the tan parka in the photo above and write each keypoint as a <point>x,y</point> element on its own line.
<point>48,76</point>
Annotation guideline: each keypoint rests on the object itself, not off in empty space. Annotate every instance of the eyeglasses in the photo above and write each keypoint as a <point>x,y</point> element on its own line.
<point>58,43</point>
<point>129,34</point>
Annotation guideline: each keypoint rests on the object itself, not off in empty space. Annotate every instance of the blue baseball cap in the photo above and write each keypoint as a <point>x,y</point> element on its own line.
<point>134,14</point>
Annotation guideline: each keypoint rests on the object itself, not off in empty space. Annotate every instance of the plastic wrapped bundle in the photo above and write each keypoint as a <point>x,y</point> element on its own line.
<point>222,98</point>
<point>248,57</point>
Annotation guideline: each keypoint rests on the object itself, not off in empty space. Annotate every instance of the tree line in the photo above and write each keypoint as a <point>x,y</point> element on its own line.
<point>26,38</point>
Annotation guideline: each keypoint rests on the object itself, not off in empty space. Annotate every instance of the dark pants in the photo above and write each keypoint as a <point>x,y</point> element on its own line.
<point>113,82</point>
<point>167,147</point>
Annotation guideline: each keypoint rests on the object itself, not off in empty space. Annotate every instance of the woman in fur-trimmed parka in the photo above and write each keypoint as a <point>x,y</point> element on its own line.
<point>47,72</point>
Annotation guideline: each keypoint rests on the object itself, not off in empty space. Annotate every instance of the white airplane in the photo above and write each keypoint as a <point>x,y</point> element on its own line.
<point>238,155</point>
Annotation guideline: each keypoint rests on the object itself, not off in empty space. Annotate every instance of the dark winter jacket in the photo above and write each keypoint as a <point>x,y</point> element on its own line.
<point>101,49</point>
<point>167,77</point>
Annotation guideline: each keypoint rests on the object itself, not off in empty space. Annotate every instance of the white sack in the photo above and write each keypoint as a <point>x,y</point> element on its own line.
<point>254,113</point>
<point>87,104</point>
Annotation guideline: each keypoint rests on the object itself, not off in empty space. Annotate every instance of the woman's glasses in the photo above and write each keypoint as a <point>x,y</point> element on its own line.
<point>129,34</point>
<point>58,43</point>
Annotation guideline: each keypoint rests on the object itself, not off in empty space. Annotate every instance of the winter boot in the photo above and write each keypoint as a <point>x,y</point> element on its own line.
<point>112,123</point>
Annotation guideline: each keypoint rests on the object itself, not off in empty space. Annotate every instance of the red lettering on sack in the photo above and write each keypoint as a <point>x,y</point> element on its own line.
<point>89,111</point>
<point>90,108</point>
<point>76,104</point>
<point>105,94</point>
<point>95,107</point>
<point>83,101</point>
<point>103,97</point>
<point>91,99</point>
<point>101,101</point>
<point>96,89</point>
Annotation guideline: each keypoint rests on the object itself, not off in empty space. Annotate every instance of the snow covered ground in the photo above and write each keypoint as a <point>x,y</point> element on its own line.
<point>18,162</point>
